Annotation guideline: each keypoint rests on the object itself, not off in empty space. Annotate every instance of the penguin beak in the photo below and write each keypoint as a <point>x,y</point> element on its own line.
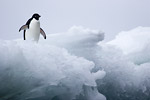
<point>39,16</point>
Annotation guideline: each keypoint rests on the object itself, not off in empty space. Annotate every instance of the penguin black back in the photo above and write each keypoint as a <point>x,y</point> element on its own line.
<point>28,24</point>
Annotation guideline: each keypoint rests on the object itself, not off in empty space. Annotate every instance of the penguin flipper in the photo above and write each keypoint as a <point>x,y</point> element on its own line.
<point>24,27</point>
<point>43,33</point>
<point>24,35</point>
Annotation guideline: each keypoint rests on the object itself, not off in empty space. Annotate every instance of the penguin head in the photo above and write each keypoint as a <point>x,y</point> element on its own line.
<point>36,16</point>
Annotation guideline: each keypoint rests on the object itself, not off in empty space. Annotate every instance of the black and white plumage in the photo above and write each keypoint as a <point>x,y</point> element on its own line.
<point>32,28</point>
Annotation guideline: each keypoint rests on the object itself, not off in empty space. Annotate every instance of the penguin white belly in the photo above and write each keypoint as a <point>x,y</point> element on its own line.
<point>34,30</point>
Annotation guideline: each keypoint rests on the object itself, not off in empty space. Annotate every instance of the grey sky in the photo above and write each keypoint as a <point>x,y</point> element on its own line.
<point>110,16</point>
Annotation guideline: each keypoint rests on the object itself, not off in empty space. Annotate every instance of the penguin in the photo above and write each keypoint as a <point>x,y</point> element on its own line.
<point>32,28</point>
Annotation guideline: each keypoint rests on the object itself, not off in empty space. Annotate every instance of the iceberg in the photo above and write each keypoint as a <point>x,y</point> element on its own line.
<point>77,65</point>
<point>47,70</point>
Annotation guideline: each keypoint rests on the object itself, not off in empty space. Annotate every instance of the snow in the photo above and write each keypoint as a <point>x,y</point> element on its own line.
<point>126,62</point>
<point>45,70</point>
<point>77,65</point>
<point>132,41</point>
<point>135,44</point>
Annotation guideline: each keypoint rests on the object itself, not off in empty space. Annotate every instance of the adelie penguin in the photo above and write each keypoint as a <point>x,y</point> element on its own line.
<point>32,28</point>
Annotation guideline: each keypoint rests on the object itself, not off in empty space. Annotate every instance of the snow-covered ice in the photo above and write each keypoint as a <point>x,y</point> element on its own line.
<point>77,65</point>
<point>45,71</point>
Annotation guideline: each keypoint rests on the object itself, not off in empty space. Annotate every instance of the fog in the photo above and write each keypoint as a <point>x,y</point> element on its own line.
<point>111,17</point>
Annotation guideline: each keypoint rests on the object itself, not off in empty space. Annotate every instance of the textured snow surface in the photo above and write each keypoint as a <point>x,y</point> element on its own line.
<point>77,65</point>
<point>126,60</point>
<point>44,71</point>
